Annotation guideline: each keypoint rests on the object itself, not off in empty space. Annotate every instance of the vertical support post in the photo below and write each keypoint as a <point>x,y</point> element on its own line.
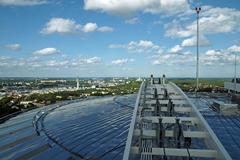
<point>235,74</point>
<point>155,93</point>
<point>170,108</point>
<point>177,133</point>
<point>165,93</point>
<point>163,79</point>
<point>151,79</point>
<point>160,133</point>
<point>157,108</point>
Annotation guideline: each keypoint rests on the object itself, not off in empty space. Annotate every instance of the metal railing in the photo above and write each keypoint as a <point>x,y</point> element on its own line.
<point>132,125</point>
<point>231,86</point>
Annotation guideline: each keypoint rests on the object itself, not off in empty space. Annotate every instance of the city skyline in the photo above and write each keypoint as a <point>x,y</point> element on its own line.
<point>110,38</point>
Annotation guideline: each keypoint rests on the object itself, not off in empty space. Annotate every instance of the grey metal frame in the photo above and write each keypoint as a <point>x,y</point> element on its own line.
<point>214,147</point>
<point>212,141</point>
<point>132,125</point>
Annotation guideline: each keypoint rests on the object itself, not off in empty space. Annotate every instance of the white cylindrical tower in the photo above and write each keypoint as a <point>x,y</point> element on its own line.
<point>77,83</point>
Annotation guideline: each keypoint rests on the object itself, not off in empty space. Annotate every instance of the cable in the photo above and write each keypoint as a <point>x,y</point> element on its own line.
<point>164,152</point>
<point>189,156</point>
<point>161,136</point>
<point>187,144</point>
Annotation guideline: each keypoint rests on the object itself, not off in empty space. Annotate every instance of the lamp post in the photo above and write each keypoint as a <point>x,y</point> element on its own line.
<point>197,9</point>
<point>235,73</point>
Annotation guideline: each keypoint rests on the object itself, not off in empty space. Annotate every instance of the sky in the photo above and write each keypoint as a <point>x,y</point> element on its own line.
<point>118,38</point>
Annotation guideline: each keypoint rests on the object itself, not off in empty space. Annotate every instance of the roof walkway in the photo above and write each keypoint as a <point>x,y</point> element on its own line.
<point>167,125</point>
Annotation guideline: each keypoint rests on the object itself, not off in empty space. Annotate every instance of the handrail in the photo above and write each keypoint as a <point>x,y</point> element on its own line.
<point>132,125</point>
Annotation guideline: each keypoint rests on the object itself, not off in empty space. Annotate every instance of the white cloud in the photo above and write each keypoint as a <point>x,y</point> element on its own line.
<point>21,2</point>
<point>210,57</point>
<point>213,53</point>
<point>93,60</point>
<point>55,63</point>
<point>71,62</point>
<point>112,46</point>
<point>105,29</point>
<point>161,59</point>
<point>220,20</point>
<point>3,58</point>
<point>176,49</point>
<point>126,7</point>
<point>190,42</point>
<point>175,29</point>
<point>59,62</point>
<point>13,47</point>
<point>46,51</point>
<point>60,25</point>
<point>68,26</point>
<point>234,48</point>
<point>144,43</point>
<point>172,59</point>
<point>133,20</point>
<point>141,46</point>
<point>212,21</point>
<point>121,61</point>
<point>89,27</point>
<point>220,57</point>
<point>158,22</point>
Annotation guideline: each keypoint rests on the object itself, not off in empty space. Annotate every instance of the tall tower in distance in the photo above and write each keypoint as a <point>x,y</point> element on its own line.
<point>77,83</point>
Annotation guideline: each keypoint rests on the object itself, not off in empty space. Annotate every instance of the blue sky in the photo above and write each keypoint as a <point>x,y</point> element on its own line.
<point>56,38</point>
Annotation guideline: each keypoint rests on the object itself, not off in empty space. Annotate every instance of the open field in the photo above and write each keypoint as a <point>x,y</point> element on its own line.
<point>205,84</point>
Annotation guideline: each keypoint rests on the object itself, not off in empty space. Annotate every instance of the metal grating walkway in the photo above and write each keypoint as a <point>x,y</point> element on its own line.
<point>166,125</point>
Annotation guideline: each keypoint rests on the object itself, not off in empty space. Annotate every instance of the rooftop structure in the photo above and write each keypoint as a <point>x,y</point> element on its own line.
<point>225,108</point>
<point>231,86</point>
<point>166,124</point>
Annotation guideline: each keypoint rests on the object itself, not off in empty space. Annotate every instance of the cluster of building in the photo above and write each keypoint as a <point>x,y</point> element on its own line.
<point>19,88</point>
